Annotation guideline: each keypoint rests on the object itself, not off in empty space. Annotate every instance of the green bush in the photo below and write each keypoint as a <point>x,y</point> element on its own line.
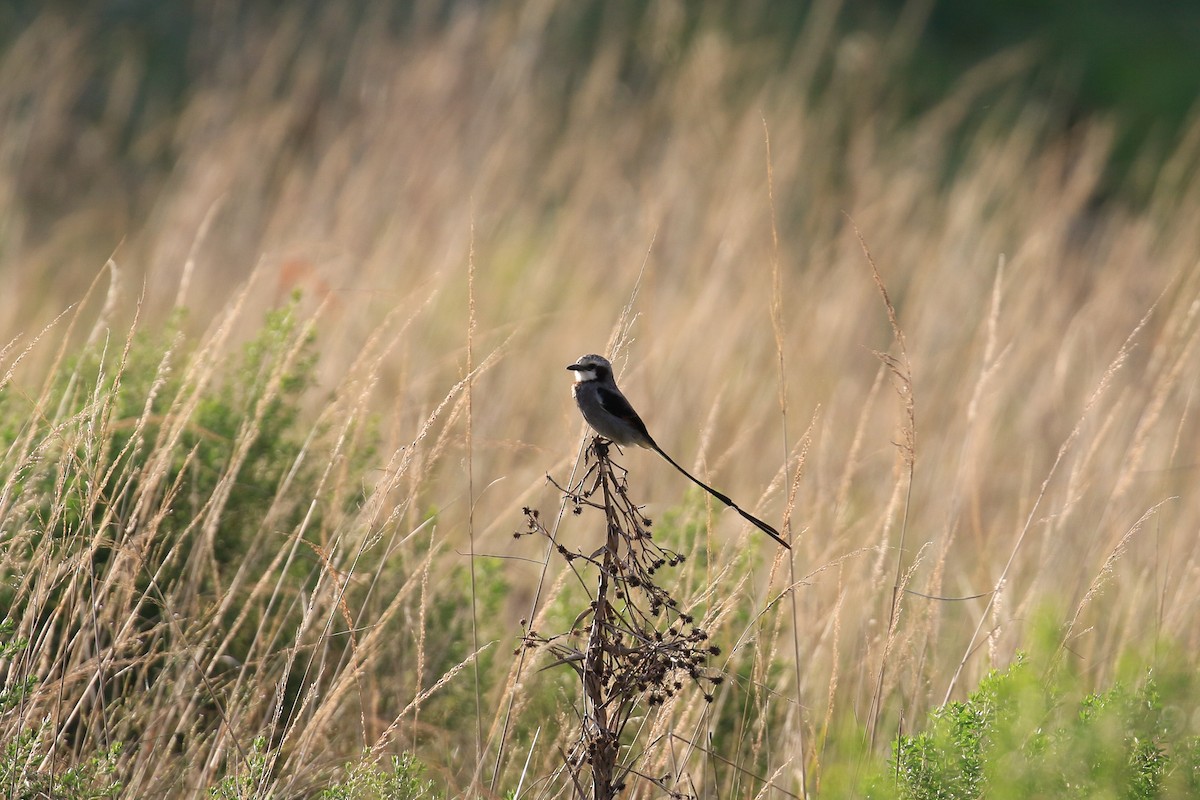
<point>104,448</point>
<point>23,774</point>
<point>21,779</point>
<point>138,486</point>
<point>401,779</point>
<point>1031,730</point>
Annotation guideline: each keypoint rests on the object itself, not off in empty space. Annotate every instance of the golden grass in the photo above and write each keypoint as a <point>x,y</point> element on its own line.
<point>1051,343</point>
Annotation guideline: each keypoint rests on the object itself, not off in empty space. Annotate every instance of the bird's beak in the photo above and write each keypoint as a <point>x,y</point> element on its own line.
<point>574,366</point>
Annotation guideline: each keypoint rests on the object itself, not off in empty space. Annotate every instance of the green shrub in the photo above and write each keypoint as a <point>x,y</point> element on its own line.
<point>23,776</point>
<point>138,487</point>
<point>248,778</point>
<point>1031,730</point>
<point>105,449</point>
<point>367,780</point>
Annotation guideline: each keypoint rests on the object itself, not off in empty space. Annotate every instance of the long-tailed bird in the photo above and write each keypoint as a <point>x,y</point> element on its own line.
<point>611,416</point>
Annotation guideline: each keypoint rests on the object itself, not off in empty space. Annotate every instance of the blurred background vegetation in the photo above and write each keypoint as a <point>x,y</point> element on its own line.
<point>476,189</point>
<point>1132,61</point>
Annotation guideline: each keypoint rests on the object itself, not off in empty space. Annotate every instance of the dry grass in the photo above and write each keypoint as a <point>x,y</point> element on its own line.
<point>1053,374</point>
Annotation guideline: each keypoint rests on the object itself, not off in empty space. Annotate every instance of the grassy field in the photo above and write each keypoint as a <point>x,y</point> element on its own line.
<point>248,541</point>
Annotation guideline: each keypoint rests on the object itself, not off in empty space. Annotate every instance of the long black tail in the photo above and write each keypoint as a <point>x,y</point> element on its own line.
<point>758,523</point>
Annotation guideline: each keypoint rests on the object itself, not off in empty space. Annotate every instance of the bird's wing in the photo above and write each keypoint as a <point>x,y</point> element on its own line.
<point>616,404</point>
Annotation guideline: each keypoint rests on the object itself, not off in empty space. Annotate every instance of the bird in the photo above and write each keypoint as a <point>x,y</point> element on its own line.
<point>609,414</point>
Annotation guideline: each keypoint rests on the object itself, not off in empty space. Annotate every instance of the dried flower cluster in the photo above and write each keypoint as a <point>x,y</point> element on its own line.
<point>632,644</point>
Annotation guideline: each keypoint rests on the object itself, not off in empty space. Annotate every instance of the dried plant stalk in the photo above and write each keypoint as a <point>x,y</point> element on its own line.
<point>632,645</point>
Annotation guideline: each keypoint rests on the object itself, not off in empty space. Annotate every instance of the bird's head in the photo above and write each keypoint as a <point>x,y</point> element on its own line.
<point>591,367</point>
